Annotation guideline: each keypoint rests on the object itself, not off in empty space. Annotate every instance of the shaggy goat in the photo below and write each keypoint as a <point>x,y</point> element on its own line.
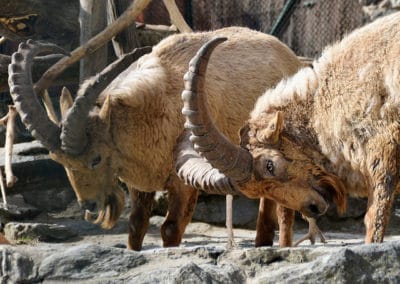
<point>340,119</point>
<point>137,130</point>
<point>344,116</point>
<point>223,164</point>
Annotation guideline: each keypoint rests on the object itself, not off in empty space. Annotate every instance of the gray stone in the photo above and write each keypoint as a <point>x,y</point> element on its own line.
<point>89,262</point>
<point>192,273</point>
<point>85,263</point>
<point>34,169</point>
<point>380,8</point>
<point>378,263</point>
<point>29,232</point>
<point>356,208</point>
<point>212,209</point>
<point>161,203</point>
<point>16,267</point>
<point>17,209</point>
<point>395,4</point>
<point>52,199</point>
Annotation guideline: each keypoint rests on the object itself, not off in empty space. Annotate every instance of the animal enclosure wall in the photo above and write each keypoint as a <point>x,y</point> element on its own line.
<point>311,26</point>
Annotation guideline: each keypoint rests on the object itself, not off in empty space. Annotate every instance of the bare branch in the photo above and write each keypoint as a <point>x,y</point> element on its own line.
<point>229,221</point>
<point>176,16</point>
<point>126,19</point>
<point>3,120</point>
<point>3,189</point>
<point>10,178</point>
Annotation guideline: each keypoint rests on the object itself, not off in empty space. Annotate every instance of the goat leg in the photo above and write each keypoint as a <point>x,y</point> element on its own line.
<point>313,231</point>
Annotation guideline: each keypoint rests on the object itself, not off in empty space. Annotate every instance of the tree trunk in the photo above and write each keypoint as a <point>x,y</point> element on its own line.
<point>92,19</point>
<point>126,41</point>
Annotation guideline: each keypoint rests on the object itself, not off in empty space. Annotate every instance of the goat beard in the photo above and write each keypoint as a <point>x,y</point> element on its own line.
<point>332,189</point>
<point>108,217</point>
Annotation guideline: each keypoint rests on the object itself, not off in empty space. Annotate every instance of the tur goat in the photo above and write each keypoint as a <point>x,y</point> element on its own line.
<point>255,175</point>
<point>339,122</point>
<point>136,131</point>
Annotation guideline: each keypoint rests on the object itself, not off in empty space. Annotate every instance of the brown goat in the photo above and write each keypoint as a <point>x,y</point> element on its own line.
<point>339,122</point>
<point>222,164</point>
<point>138,127</point>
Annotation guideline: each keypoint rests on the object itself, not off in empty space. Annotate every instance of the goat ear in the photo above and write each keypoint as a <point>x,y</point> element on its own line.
<point>105,111</point>
<point>244,135</point>
<point>66,101</point>
<point>271,132</point>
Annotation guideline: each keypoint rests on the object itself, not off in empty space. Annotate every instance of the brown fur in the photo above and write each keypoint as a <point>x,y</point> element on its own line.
<point>139,121</point>
<point>342,120</point>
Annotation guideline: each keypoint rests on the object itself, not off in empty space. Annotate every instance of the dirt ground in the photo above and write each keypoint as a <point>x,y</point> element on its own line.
<point>348,232</point>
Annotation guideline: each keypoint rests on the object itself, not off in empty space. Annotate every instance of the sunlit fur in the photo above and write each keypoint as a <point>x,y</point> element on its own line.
<point>296,179</point>
<point>139,121</point>
<point>343,115</point>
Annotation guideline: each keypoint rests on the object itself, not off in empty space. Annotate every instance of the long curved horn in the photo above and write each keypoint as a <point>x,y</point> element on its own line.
<point>230,159</point>
<point>194,170</point>
<point>25,99</point>
<point>73,134</point>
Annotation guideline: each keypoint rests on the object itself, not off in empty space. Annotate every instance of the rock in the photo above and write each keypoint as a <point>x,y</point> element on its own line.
<point>212,209</point>
<point>34,169</point>
<point>29,232</point>
<point>395,4</point>
<point>356,208</point>
<point>89,262</point>
<point>192,273</point>
<point>52,199</point>
<point>377,263</point>
<point>379,8</point>
<point>17,209</point>
<point>160,206</point>
<point>16,267</point>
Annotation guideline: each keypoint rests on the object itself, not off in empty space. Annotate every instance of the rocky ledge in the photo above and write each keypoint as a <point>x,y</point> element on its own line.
<point>202,258</point>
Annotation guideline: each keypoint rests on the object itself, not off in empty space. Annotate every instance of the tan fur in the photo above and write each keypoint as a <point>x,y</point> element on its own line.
<point>140,120</point>
<point>343,117</point>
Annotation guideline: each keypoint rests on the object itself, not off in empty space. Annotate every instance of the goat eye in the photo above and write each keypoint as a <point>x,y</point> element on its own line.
<point>96,161</point>
<point>269,166</point>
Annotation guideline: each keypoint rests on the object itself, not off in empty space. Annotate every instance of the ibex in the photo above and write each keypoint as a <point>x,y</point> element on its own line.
<point>337,125</point>
<point>135,132</point>
<point>262,174</point>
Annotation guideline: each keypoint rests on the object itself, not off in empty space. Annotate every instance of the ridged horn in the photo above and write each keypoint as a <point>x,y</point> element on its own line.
<point>194,170</point>
<point>209,142</point>
<point>24,96</point>
<point>73,133</point>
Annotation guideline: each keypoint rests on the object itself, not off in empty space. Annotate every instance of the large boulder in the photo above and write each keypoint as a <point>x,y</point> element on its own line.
<point>378,263</point>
